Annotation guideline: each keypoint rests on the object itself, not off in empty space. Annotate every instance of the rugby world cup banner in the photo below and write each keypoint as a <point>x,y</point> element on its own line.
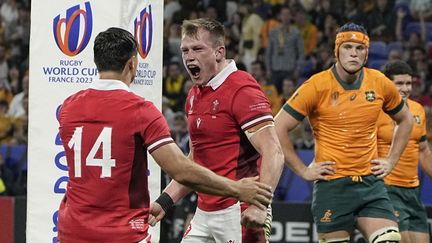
<point>61,63</point>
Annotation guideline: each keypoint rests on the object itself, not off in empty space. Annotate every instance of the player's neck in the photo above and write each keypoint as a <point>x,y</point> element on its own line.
<point>113,75</point>
<point>346,76</point>
<point>221,65</point>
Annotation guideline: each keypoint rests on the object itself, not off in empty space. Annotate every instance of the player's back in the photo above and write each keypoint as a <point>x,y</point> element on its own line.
<point>103,133</point>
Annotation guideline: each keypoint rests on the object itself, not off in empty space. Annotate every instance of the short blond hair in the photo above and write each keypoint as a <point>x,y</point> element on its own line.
<point>215,28</point>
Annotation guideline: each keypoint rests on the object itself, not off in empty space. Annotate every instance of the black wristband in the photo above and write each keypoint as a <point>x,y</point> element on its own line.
<point>165,201</point>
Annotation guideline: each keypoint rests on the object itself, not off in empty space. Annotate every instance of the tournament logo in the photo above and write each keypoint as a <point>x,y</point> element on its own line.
<point>370,95</point>
<point>334,98</point>
<point>191,102</point>
<point>143,33</point>
<point>77,29</point>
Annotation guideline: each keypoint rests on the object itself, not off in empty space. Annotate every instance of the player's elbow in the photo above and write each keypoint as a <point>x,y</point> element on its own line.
<point>182,175</point>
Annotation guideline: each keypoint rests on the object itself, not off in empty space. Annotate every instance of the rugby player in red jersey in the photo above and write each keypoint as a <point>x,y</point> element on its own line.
<point>106,131</point>
<point>231,133</point>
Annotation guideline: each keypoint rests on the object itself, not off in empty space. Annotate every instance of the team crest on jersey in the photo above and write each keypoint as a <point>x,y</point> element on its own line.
<point>191,100</point>
<point>370,95</point>
<point>215,106</point>
<point>198,122</point>
<point>417,119</point>
<point>327,216</point>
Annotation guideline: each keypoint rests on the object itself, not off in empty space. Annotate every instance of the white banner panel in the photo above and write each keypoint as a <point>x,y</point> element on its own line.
<point>61,63</point>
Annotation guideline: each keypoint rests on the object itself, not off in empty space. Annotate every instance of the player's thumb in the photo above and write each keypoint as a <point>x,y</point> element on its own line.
<point>152,220</point>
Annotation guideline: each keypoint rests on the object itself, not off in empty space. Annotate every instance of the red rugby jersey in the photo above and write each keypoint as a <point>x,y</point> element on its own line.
<point>106,131</point>
<point>218,114</point>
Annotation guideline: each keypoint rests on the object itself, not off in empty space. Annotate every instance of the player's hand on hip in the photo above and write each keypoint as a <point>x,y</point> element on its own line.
<point>253,217</point>
<point>254,192</point>
<point>381,167</point>
<point>156,213</point>
<point>319,171</point>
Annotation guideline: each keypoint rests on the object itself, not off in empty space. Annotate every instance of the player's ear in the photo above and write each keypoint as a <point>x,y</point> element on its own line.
<point>220,53</point>
<point>132,63</point>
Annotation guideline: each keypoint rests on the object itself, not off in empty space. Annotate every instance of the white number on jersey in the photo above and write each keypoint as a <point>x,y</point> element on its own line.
<point>103,140</point>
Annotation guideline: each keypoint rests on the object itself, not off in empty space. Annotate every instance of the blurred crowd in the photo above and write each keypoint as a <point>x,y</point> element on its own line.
<point>14,83</point>
<point>283,42</point>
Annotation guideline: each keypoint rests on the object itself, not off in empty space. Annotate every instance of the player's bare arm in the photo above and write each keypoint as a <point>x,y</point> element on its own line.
<point>186,172</point>
<point>175,191</point>
<point>284,123</point>
<point>264,139</point>
<point>383,166</point>
<point>425,158</point>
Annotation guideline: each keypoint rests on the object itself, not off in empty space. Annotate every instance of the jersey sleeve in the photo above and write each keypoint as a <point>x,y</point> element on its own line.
<point>250,107</point>
<point>424,126</point>
<point>155,131</point>
<point>302,102</point>
<point>393,102</point>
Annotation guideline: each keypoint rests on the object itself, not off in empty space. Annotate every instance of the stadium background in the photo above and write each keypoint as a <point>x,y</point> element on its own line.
<point>399,29</point>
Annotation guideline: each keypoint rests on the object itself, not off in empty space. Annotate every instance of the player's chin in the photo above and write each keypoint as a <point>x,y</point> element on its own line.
<point>353,66</point>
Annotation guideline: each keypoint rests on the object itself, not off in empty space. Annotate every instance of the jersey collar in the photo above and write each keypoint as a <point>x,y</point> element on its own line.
<point>218,80</point>
<point>348,86</point>
<point>109,84</point>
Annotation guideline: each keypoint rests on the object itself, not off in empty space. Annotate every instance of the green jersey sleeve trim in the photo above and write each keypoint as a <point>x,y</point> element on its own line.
<point>396,109</point>
<point>297,115</point>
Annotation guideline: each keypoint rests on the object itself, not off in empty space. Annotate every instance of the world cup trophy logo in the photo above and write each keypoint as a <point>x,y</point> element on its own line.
<point>75,36</point>
<point>144,31</point>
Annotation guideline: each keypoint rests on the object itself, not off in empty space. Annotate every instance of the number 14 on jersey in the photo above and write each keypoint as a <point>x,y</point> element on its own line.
<point>104,140</point>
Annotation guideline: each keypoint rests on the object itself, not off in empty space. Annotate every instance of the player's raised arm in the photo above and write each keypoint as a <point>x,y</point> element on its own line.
<point>171,160</point>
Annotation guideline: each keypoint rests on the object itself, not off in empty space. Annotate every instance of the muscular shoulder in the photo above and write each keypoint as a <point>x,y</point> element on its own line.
<point>375,75</point>
<point>75,96</point>
<point>239,79</point>
<point>414,106</point>
<point>320,81</point>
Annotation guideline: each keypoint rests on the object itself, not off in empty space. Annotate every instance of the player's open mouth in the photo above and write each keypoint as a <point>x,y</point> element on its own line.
<point>194,70</point>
